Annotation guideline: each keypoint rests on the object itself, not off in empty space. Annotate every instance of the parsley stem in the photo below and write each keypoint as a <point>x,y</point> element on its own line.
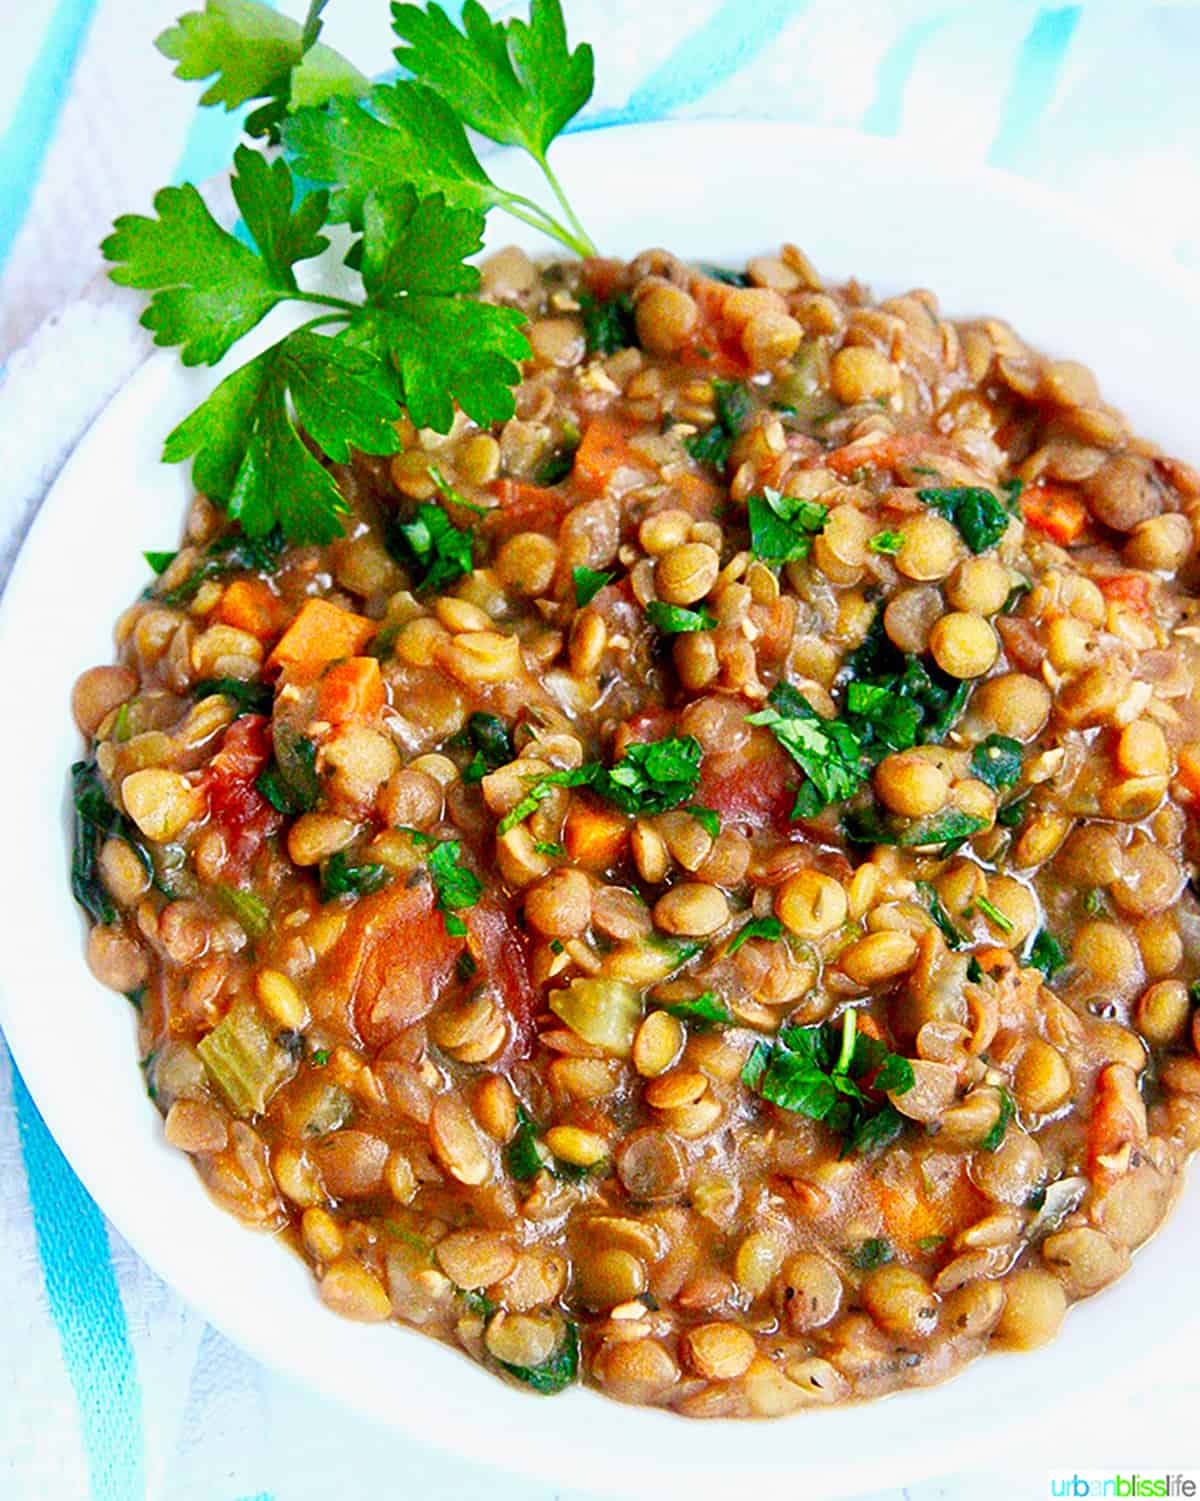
<point>530,213</point>
<point>849,1028</point>
<point>322,301</point>
<point>584,239</point>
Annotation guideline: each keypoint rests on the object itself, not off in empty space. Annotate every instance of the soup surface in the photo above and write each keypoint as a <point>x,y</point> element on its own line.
<point>690,893</point>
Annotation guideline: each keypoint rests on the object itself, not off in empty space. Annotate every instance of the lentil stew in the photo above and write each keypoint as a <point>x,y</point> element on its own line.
<point>692,891</point>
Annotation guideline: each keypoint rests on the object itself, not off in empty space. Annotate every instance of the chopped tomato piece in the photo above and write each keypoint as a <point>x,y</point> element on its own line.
<point>1057,512</point>
<point>250,605</point>
<point>759,791</point>
<point>235,805</point>
<point>352,689</point>
<point>1132,590</point>
<point>525,507</point>
<point>498,949</point>
<point>320,634</point>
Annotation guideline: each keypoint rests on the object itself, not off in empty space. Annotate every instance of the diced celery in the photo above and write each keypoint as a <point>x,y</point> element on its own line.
<point>245,908</point>
<point>244,1061</point>
<point>603,1012</point>
<point>328,1108</point>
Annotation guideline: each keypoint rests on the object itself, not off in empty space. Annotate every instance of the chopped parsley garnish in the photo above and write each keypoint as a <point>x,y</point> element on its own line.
<point>825,1073</point>
<point>97,819</point>
<point>828,751</point>
<point>319,1057</point>
<point>782,526</point>
<point>997,761</point>
<point>457,887</point>
<point>652,776</point>
<point>733,406</point>
<point>887,543</point>
<point>1094,903</point>
<point>1046,954</point>
<point>704,1010</point>
<point>954,939</point>
<point>708,818</point>
<point>996,1135</point>
<point>981,516</point>
<point>491,738</point>
<point>609,324</point>
<point>159,561</point>
<point>588,583</point>
<point>554,1374</point>
<point>769,928</point>
<point>430,546</point>
<point>548,848</point>
<point>340,878</point>
<point>869,1254</point>
<point>994,915</point>
<point>922,702</point>
<point>233,553</point>
<point>675,620</point>
<point>561,459</point>
<point>1012,815</point>
<point>290,782</point>
<point>948,829</point>
<point>246,697</point>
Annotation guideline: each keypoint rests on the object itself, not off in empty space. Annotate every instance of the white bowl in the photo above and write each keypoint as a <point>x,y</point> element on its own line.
<point>716,192</point>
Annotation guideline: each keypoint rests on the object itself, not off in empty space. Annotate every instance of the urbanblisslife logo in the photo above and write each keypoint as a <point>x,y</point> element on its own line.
<point>1132,1484</point>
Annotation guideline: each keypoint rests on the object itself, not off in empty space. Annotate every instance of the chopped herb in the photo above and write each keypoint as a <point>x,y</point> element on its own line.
<point>523,1155</point>
<point>892,717</point>
<point>729,278</point>
<point>491,738</point>
<point>782,526</point>
<point>994,915</point>
<point>708,819</point>
<point>290,783</point>
<point>464,966</point>
<point>997,761</point>
<point>557,946</point>
<point>319,1057</point>
<point>430,546</point>
<point>246,908</point>
<point>996,1135</point>
<point>159,561</point>
<point>873,1132</point>
<point>941,917</point>
<point>675,620</point>
<point>929,1243</point>
<point>561,458</point>
<point>974,971</point>
<point>769,928</point>
<point>476,1302</point>
<point>887,543</point>
<point>1015,595</point>
<point>246,697</point>
<point>981,516</point>
<point>96,819</point>
<point>588,583</point>
<point>1012,815</point>
<point>1094,902</point>
<point>608,323</point>
<point>869,1254</point>
<point>418,836</point>
<point>457,887</point>
<point>233,553</point>
<point>340,878</point>
<point>651,777</point>
<point>703,1009</point>
<point>1046,954</point>
<point>876,668</point>
<point>828,751</point>
<point>555,1374</point>
<point>868,825</point>
<point>136,998</point>
<point>548,848</point>
<point>733,406</point>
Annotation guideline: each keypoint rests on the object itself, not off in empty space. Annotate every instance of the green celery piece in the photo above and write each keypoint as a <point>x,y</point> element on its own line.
<point>244,1061</point>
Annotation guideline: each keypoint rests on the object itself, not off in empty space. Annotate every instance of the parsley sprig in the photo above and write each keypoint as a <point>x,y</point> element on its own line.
<point>392,162</point>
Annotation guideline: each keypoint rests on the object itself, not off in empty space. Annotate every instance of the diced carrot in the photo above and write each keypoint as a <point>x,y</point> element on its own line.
<point>1189,767</point>
<point>250,605</point>
<point>524,507</point>
<point>604,450</point>
<point>913,1211</point>
<point>1056,511</point>
<point>320,634</point>
<point>716,347</point>
<point>1117,1124</point>
<point>352,689</point>
<point>885,454</point>
<point>1131,590</point>
<point>595,837</point>
<point>907,1215</point>
<point>868,1026</point>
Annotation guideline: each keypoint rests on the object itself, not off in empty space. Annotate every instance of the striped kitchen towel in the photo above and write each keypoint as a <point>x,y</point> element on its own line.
<point>110,1387</point>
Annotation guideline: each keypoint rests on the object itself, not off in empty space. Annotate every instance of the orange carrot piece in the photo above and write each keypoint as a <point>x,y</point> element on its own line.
<point>604,450</point>
<point>250,605</point>
<point>595,837</point>
<point>320,634</point>
<point>352,689</point>
<point>1056,511</point>
<point>525,507</point>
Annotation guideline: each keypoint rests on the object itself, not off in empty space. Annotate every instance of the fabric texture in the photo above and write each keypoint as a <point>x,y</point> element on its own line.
<point>110,1387</point>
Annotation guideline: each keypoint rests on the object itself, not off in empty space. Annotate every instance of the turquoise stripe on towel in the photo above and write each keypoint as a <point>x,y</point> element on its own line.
<point>1035,77</point>
<point>86,1306</point>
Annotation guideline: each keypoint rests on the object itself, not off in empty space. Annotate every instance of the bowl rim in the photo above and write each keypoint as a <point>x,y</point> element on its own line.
<point>717,1456</point>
